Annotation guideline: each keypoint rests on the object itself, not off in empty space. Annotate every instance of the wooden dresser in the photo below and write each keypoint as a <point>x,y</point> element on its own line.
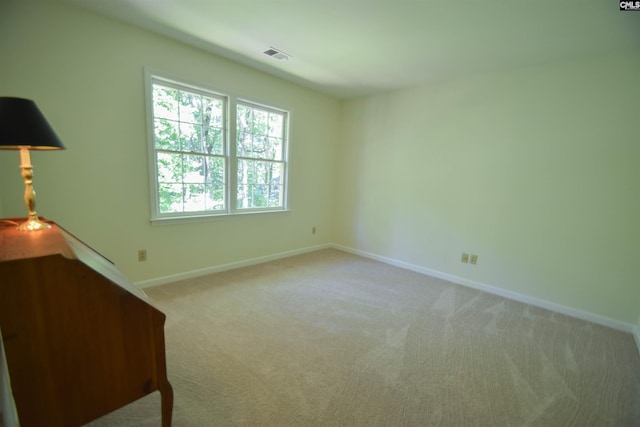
<point>80,340</point>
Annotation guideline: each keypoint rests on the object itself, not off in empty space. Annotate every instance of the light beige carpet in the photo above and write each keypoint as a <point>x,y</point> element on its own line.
<point>332,339</point>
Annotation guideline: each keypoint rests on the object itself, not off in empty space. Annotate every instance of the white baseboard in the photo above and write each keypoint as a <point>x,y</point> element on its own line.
<point>224,267</point>
<point>558,308</point>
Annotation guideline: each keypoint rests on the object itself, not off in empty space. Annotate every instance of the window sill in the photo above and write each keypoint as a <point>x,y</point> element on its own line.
<point>214,217</point>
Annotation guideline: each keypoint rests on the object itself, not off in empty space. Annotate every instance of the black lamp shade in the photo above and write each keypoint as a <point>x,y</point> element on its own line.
<point>23,125</point>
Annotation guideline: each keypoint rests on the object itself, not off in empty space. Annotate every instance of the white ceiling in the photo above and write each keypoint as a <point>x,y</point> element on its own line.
<point>347,48</point>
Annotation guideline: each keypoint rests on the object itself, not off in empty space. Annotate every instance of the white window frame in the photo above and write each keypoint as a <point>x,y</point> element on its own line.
<point>231,160</point>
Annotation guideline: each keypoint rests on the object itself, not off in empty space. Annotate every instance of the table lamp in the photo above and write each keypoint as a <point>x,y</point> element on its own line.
<point>24,128</point>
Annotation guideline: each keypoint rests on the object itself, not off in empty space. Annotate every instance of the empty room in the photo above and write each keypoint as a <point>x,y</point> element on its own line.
<point>305,213</point>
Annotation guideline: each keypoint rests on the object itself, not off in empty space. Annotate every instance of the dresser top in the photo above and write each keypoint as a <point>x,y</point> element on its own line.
<point>16,245</point>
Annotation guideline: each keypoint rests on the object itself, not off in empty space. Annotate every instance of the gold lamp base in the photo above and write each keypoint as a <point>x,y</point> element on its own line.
<point>33,224</point>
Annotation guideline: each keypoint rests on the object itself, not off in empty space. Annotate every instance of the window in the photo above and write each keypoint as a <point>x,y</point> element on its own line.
<point>201,166</point>
<point>260,156</point>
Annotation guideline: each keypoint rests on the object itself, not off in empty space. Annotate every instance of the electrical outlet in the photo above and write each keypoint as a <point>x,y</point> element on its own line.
<point>142,255</point>
<point>465,258</point>
<point>474,259</point>
<point>313,230</point>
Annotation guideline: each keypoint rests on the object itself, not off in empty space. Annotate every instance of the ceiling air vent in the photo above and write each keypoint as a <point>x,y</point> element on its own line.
<point>277,54</point>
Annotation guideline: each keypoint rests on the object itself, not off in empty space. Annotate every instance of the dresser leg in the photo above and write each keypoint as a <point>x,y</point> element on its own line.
<point>166,396</point>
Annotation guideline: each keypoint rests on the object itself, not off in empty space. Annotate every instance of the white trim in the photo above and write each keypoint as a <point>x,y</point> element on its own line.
<point>152,166</point>
<point>537,302</point>
<point>224,267</point>
<point>558,308</point>
<point>199,218</point>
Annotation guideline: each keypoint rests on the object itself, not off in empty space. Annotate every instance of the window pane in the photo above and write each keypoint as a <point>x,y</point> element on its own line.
<point>243,118</point>
<point>244,141</point>
<point>170,198</point>
<point>214,197</point>
<point>194,197</point>
<point>260,124</point>
<point>259,146</point>
<point>190,138</point>
<point>169,168</point>
<point>214,183</point>
<point>276,125</point>
<point>205,197</point>
<point>260,133</point>
<point>214,170</point>
<point>165,134</point>
<point>260,184</point>
<point>214,143</point>
<point>165,102</point>
<point>274,149</point>
<point>190,108</point>
<point>193,169</point>
<point>212,110</point>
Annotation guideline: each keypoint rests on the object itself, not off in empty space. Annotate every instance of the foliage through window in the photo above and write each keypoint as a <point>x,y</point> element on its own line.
<point>203,167</point>
<point>260,154</point>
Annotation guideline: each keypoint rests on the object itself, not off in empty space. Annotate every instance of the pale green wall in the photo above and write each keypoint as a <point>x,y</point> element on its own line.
<point>535,170</point>
<point>86,74</point>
